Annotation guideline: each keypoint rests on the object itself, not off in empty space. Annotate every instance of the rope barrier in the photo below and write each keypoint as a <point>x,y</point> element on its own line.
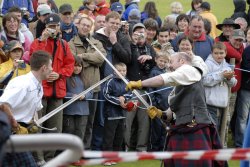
<point>220,154</point>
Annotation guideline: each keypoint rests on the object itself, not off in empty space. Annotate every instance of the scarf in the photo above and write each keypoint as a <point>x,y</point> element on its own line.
<point>68,36</point>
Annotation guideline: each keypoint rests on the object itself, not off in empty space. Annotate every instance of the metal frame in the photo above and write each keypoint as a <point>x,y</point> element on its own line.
<point>42,142</point>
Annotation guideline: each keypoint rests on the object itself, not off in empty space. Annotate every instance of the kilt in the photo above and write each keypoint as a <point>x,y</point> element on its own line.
<point>22,159</point>
<point>199,137</point>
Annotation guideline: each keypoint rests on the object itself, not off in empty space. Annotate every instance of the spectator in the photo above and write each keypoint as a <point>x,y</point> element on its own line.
<point>117,7</point>
<point>242,22</point>
<point>195,8</point>
<point>235,49</point>
<point>90,74</point>
<point>247,37</point>
<point>151,30</point>
<point>202,43</point>
<point>99,22</point>
<point>63,65</point>
<point>87,9</point>
<point>134,17</point>
<point>176,9</point>
<point>150,11</point>
<point>182,22</point>
<point>143,54</point>
<point>227,28</point>
<point>173,31</point>
<point>22,27</point>
<point>117,99</point>
<point>14,66</point>
<point>25,6</point>
<point>239,9</point>
<point>162,43</point>
<point>186,44</point>
<point>242,102</point>
<point>75,116</point>
<point>10,32</point>
<point>38,26</point>
<point>22,103</point>
<point>217,83</point>
<point>129,5</point>
<point>68,29</point>
<point>207,26</point>
<point>118,50</point>
<point>207,14</point>
<point>102,7</point>
<point>159,99</point>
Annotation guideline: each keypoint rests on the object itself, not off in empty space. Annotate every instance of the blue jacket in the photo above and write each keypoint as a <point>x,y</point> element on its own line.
<point>159,99</point>
<point>128,8</point>
<point>7,4</point>
<point>202,47</point>
<point>114,88</point>
<point>79,107</point>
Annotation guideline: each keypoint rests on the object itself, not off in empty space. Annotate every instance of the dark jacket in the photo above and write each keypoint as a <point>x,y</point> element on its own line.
<point>114,88</point>
<point>189,103</point>
<point>159,99</point>
<point>120,51</point>
<point>239,9</point>
<point>79,107</point>
<point>136,70</point>
<point>245,64</point>
<point>221,38</point>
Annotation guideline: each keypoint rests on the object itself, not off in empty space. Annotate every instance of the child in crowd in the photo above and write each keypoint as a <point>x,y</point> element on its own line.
<point>159,100</point>
<point>162,42</point>
<point>75,116</point>
<point>115,111</point>
<point>219,79</point>
<point>14,66</point>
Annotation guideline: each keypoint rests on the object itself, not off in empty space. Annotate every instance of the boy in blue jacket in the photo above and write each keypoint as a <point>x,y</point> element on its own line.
<point>115,110</point>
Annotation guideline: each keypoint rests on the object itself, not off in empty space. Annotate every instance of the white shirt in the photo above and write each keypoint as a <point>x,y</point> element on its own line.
<point>184,75</point>
<point>24,93</point>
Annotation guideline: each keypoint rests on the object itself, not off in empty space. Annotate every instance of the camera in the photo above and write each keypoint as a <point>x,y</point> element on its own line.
<point>19,61</point>
<point>123,24</point>
<point>23,9</point>
<point>140,36</point>
<point>51,32</point>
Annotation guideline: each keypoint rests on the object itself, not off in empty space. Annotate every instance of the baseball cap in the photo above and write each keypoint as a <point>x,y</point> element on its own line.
<point>134,14</point>
<point>44,9</point>
<point>65,8</point>
<point>238,34</point>
<point>53,18</point>
<point>116,6</point>
<point>12,45</point>
<point>138,25</point>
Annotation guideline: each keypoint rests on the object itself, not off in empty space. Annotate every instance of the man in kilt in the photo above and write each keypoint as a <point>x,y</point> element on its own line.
<point>193,128</point>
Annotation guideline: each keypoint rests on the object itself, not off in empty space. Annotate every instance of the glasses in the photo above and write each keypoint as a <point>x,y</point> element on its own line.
<point>85,25</point>
<point>67,13</point>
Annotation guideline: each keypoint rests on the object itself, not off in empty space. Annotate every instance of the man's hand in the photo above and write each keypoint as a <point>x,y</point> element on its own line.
<point>45,35</point>
<point>7,109</point>
<point>134,85</point>
<point>53,76</point>
<point>112,37</point>
<point>154,112</point>
<point>144,58</point>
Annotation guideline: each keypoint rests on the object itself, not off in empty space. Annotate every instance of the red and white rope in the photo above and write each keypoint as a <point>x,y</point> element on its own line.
<point>222,154</point>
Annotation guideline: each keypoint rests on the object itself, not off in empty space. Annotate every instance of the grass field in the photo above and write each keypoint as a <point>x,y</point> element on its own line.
<point>221,8</point>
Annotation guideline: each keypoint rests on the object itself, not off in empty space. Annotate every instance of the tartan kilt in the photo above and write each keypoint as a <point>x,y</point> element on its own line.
<point>200,137</point>
<point>22,159</point>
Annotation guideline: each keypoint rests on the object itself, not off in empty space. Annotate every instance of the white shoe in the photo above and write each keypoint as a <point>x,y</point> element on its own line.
<point>113,163</point>
<point>107,164</point>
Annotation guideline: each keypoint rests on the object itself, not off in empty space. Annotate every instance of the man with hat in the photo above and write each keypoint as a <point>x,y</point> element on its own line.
<point>130,4</point>
<point>68,29</point>
<point>142,61</point>
<point>38,26</point>
<point>235,50</point>
<point>117,7</point>
<point>63,66</point>
<point>227,28</point>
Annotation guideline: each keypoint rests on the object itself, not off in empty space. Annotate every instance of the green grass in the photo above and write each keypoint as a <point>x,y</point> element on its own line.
<point>221,8</point>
